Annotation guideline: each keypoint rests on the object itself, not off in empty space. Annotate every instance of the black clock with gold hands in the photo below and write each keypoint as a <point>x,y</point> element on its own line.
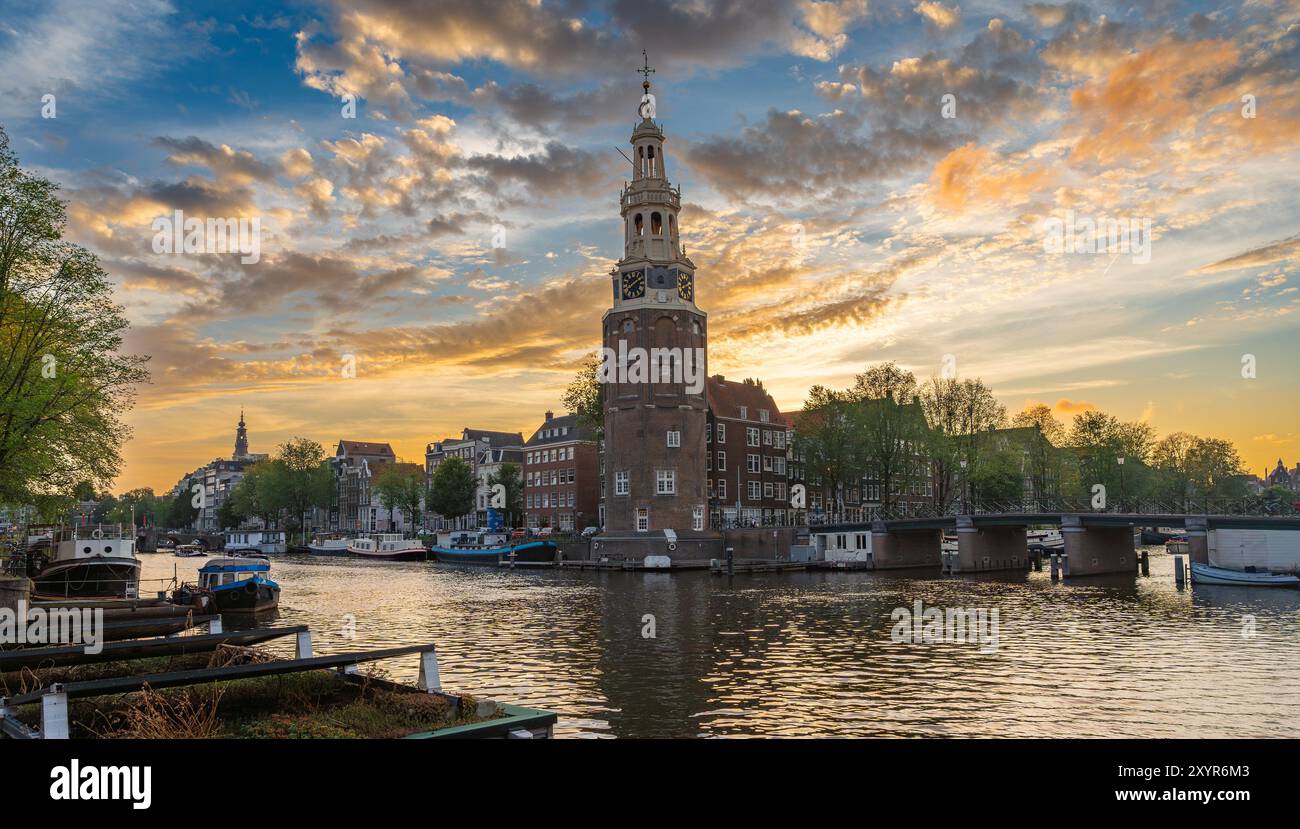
<point>685,286</point>
<point>633,284</point>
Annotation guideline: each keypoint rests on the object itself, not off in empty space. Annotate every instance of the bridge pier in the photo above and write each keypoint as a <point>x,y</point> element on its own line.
<point>1095,550</point>
<point>989,548</point>
<point>1198,538</point>
<point>896,549</point>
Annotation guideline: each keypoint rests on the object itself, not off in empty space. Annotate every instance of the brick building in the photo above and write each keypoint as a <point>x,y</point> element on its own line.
<point>561,475</point>
<point>479,449</point>
<point>746,456</point>
<point>356,462</point>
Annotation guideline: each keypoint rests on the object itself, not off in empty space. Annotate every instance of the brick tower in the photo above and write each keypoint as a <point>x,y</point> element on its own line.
<point>655,416</point>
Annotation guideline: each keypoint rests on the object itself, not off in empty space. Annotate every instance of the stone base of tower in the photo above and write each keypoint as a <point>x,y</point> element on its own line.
<point>634,546</point>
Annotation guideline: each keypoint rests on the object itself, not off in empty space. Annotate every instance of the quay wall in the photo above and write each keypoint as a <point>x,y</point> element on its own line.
<point>14,589</point>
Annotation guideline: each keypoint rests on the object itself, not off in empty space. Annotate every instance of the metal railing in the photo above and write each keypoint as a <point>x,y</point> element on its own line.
<point>1249,506</point>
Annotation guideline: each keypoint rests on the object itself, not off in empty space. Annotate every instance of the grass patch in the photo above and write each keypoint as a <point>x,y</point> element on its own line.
<point>317,704</point>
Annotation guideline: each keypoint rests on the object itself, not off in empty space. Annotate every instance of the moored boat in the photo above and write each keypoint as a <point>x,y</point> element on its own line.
<point>529,552</point>
<point>329,544</point>
<point>189,551</point>
<point>1047,541</point>
<point>239,584</point>
<point>1177,545</point>
<point>388,547</point>
<point>90,563</point>
<point>265,542</point>
<point>1209,574</point>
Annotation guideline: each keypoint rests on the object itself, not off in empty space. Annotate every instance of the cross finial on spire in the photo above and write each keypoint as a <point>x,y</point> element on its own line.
<point>646,71</point>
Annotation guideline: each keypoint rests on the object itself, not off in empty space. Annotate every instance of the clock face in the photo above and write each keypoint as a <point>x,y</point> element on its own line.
<point>633,284</point>
<point>685,286</point>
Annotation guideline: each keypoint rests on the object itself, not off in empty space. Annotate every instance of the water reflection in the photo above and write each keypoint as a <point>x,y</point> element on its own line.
<point>809,654</point>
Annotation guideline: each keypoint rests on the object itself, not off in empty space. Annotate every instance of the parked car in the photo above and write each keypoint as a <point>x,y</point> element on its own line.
<point>543,532</point>
<point>590,531</point>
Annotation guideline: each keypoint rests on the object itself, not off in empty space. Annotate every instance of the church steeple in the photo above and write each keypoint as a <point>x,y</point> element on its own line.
<point>241,438</point>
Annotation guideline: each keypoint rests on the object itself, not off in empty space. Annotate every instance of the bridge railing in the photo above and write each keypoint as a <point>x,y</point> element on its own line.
<point>1249,506</point>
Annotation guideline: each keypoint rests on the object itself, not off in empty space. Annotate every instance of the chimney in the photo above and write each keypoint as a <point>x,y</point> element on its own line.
<point>549,414</point>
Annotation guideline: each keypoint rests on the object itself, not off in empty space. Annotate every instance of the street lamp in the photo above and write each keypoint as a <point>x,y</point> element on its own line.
<point>965,507</point>
<point>1120,459</point>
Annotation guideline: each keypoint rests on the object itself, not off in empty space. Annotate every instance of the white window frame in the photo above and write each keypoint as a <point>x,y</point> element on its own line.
<point>674,439</point>
<point>665,476</point>
<point>642,519</point>
<point>622,482</point>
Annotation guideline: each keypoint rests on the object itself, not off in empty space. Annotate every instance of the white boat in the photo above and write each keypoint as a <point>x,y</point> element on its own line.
<point>261,541</point>
<point>189,551</point>
<point>1046,540</point>
<point>329,544</point>
<point>90,563</point>
<point>949,543</point>
<point>1208,574</point>
<point>388,547</point>
<point>1177,546</point>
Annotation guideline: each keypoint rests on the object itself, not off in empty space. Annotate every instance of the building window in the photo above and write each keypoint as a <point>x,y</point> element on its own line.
<point>708,461</point>
<point>754,490</point>
<point>751,463</point>
<point>762,415</point>
<point>708,433</point>
<point>722,433</point>
<point>744,413</point>
<point>697,519</point>
<point>767,489</point>
<point>722,489</point>
<point>767,437</point>
<point>642,519</point>
<point>722,461</point>
<point>751,436</point>
<point>621,486</point>
<point>665,482</point>
<point>674,439</point>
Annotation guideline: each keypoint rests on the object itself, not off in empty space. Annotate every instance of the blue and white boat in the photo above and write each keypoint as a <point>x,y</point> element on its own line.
<point>1208,574</point>
<point>530,552</point>
<point>240,584</point>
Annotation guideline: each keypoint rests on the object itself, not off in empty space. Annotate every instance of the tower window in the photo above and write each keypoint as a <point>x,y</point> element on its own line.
<point>640,225</point>
<point>672,225</point>
<point>628,325</point>
<point>653,167</point>
<point>656,223</point>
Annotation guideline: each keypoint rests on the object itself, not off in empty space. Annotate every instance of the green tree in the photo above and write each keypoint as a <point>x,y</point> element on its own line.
<point>451,492</point>
<point>960,415</point>
<point>508,475</point>
<point>827,443</point>
<point>889,427</point>
<point>301,477</point>
<point>181,512</point>
<point>64,385</point>
<point>583,396</point>
<point>401,487</point>
<point>261,492</point>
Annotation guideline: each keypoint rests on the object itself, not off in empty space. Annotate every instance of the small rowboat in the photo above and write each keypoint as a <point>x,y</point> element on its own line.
<point>1207,574</point>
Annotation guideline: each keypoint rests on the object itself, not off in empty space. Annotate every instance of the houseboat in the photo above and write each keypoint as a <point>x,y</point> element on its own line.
<point>493,548</point>
<point>1177,545</point>
<point>189,551</point>
<point>1048,541</point>
<point>265,542</point>
<point>329,544</point>
<point>240,584</point>
<point>388,547</point>
<point>90,563</point>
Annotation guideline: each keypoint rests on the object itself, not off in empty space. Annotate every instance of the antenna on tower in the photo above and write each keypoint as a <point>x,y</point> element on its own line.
<point>646,71</point>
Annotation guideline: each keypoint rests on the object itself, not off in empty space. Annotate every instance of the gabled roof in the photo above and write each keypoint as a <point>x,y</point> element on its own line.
<point>364,447</point>
<point>576,431</point>
<point>727,396</point>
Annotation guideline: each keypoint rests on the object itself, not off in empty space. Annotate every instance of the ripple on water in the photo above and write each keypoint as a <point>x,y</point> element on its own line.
<point>809,654</point>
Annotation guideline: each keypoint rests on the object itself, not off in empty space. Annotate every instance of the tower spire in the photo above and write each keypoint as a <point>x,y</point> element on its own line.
<point>645,71</point>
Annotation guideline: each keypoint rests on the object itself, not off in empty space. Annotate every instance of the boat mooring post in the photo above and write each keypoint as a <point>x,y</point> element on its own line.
<point>1056,567</point>
<point>1065,565</point>
<point>731,561</point>
<point>214,624</point>
<point>54,713</point>
<point>1146,563</point>
<point>302,647</point>
<point>428,679</point>
<point>1180,577</point>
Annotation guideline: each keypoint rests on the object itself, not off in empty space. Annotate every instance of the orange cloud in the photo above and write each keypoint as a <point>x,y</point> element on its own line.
<point>1067,406</point>
<point>970,175</point>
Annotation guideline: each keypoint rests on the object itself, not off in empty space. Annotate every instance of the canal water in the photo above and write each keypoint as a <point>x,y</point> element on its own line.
<point>810,654</point>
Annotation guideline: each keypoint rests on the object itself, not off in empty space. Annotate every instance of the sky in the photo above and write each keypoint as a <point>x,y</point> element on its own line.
<point>436,186</point>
